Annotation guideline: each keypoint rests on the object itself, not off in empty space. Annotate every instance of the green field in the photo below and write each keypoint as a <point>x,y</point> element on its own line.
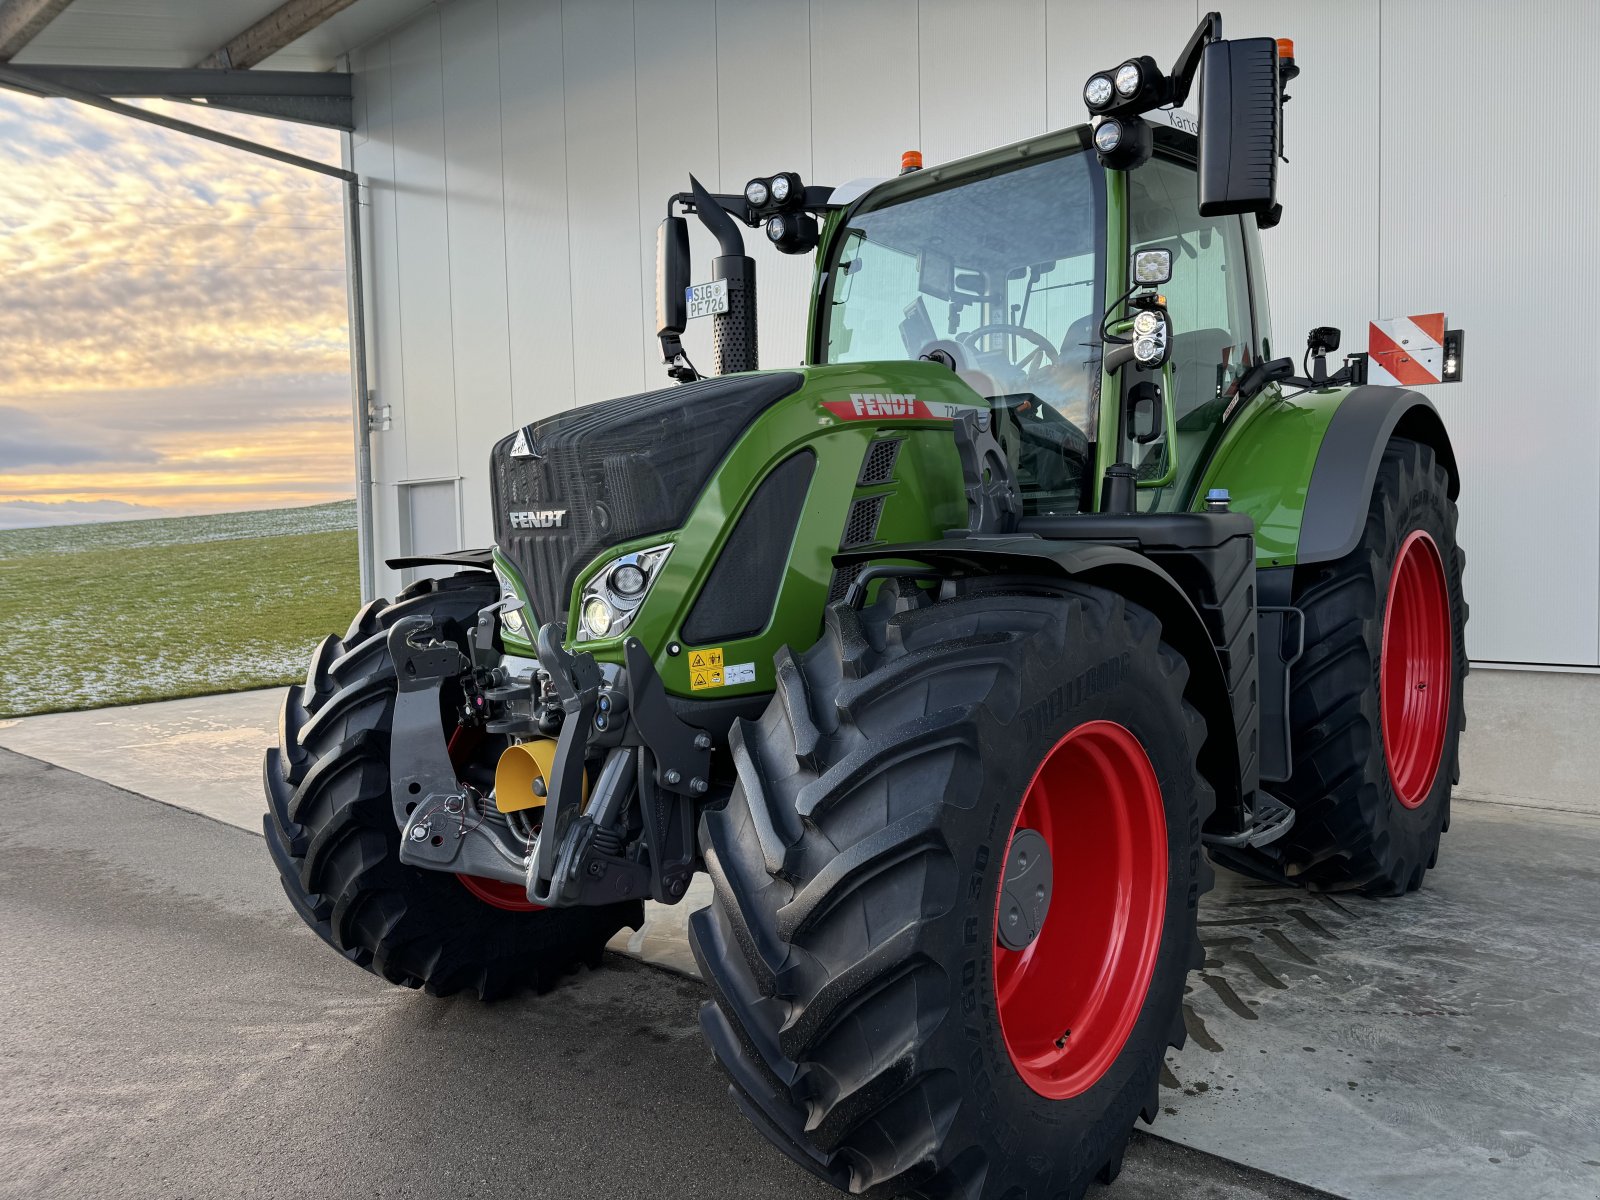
<point>92,615</point>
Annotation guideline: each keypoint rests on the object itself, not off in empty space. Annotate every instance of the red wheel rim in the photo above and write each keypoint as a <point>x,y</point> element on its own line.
<point>1069,1000</point>
<point>499,893</point>
<point>1416,668</point>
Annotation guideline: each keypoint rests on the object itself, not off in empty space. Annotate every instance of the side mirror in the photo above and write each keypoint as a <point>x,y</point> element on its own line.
<point>1241,127</point>
<point>672,277</point>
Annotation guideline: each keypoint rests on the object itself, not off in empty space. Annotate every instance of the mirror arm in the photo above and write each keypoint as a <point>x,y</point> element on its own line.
<point>1257,377</point>
<point>1183,71</point>
<point>713,214</point>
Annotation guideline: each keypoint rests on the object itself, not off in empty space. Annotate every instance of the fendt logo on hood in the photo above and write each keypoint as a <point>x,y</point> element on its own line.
<point>543,518</point>
<point>876,406</point>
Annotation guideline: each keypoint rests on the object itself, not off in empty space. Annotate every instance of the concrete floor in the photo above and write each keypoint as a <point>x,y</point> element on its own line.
<point>173,1031</point>
<point>1440,1046</point>
<point>202,754</point>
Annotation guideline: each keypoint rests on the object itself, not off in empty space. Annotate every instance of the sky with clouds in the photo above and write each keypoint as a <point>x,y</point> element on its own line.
<point>172,317</point>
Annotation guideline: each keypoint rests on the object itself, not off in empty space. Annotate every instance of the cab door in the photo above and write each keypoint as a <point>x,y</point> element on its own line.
<point>1214,332</point>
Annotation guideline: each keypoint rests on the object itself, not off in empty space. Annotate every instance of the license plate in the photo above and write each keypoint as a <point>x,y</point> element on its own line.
<point>707,298</point>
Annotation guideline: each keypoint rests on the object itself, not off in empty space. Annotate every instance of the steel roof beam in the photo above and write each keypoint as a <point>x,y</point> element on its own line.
<point>311,97</point>
<point>285,24</point>
<point>34,84</point>
<point>23,20</point>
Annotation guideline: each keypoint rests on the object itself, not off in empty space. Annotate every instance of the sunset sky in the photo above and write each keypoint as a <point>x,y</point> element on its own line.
<point>172,318</point>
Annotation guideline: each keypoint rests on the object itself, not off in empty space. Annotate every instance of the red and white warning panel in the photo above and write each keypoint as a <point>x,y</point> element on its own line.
<point>1406,351</point>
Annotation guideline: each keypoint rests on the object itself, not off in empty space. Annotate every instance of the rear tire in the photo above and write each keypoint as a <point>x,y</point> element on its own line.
<point>1370,789</point>
<point>331,830</point>
<point>851,946</point>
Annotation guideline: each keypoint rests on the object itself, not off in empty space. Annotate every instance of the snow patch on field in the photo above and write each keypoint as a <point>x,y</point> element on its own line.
<point>144,610</point>
<point>174,531</point>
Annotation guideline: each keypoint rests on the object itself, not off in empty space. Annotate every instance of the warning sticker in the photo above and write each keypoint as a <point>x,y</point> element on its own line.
<point>739,673</point>
<point>709,677</point>
<point>705,669</point>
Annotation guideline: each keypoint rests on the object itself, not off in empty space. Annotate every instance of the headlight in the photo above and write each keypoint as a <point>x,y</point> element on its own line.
<point>756,192</point>
<point>511,617</point>
<point>776,228</point>
<point>1108,137</point>
<point>1097,92</point>
<point>1152,338</point>
<point>1129,80</point>
<point>598,617</point>
<point>780,188</point>
<point>1152,266</point>
<point>612,597</point>
<point>627,580</point>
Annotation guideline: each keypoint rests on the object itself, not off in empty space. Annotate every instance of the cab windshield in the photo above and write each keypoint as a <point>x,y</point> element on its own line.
<point>1005,275</point>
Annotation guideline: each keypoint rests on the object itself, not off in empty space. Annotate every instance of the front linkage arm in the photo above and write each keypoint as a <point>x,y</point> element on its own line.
<point>583,857</point>
<point>442,826</point>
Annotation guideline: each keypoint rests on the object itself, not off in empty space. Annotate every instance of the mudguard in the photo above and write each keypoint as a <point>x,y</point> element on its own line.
<point>1213,637</point>
<point>1340,488</point>
<point>1303,466</point>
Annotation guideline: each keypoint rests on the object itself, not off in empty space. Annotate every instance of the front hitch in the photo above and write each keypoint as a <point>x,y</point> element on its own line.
<point>582,857</point>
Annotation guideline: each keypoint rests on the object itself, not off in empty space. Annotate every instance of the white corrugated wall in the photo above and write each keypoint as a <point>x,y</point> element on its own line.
<point>519,154</point>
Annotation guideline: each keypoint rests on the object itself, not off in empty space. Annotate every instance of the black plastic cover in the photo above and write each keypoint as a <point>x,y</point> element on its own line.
<point>742,588</point>
<point>1240,115</point>
<point>615,471</point>
<point>672,275</point>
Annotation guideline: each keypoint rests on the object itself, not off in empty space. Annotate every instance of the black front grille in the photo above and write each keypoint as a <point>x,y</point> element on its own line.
<point>616,471</point>
<point>843,577</point>
<point>878,466</point>
<point>861,526</point>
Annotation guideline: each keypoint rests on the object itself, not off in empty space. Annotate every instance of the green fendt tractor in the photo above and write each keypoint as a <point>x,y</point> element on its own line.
<point>949,655</point>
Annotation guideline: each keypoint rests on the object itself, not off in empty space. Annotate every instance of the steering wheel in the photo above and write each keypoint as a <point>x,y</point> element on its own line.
<point>1043,346</point>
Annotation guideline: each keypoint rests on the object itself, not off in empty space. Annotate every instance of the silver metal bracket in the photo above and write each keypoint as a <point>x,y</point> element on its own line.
<point>380,417</point>
<point>444,825</point>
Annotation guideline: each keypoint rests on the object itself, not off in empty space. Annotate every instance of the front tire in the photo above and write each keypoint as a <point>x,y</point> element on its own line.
<point>1376,702</point>
<point>864,1006</point>
<point>331,830</point>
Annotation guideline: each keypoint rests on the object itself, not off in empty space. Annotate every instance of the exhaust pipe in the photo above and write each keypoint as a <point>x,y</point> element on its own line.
<point>733,333</point>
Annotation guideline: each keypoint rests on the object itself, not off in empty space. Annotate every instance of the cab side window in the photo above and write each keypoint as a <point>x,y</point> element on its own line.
<point>1209,300</point>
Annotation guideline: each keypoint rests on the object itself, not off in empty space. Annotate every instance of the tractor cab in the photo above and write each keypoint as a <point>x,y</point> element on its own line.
<point>1001,270</point>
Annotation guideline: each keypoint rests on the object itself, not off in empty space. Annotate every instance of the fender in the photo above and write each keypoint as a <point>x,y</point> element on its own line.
<point>482,559</point>
<point>1340,488</point>
<point>1223,680</point>
<point>1303,466</point>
